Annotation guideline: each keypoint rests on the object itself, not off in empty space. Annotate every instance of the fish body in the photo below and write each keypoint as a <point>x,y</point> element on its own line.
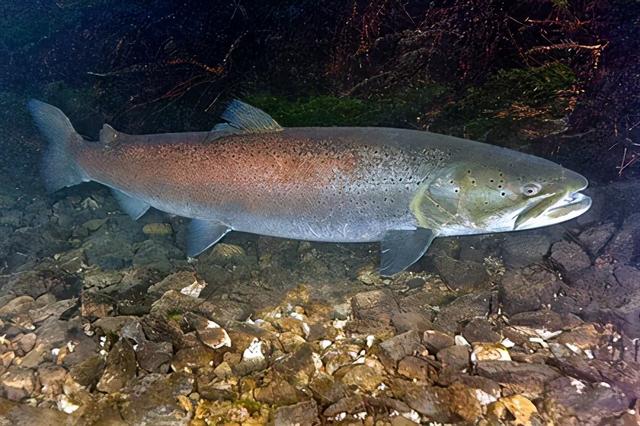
<point>335,184</point>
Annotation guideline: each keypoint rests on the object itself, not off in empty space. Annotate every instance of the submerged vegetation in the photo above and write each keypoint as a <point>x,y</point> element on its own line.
<point>486,69</point>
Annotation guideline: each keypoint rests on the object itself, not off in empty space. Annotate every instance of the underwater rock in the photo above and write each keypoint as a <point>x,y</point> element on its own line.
<point>20,305</point>
<point>120,368</point>
<point>157,229</point>
<point>463,309</point>
<point>518,378</point>
<point>23,414</point>
<point>516,407</point>
<point>480,330</point>
<point>594,238</point>
<point>454,358</point>
<point>464,275</point>
<point>88,371</point>
<point>157,255</point>
<point>366,377</point>
<point>52,378</point>
<point>625,244</point>
<point>523,249</point>
<point>577,402</point>
<point>176,281</point>
<point>527,289</point>
<point>378,305</point>
<point>18,383</point>
<point>158,400</point>
<point>96,305</point>
<point>446,405</point>
<point>420,369</point>
<point>302,413</point>
<point>569,257</point>
<point>394,349</point>
<point>436,340</point>
<point>326,389</point>
<point>108,251</point>
<point>576,363</point>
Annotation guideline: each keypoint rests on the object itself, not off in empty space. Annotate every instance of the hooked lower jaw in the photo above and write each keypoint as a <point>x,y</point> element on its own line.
<point>567,208</point>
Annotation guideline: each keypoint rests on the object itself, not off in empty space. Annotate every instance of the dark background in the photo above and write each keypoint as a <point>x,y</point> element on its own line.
<point>558,78</point>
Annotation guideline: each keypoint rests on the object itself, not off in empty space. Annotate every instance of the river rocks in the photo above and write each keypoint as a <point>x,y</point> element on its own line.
<point>463,309</point>
<point>624,246</point>
<point>435,340</point>
<point>528,289</point>
<point>518,378</point>
<point>523,249</point>
<point>463,275</point>
<point>596,237</point>
<point>569,257</point>
<point>577,402</point>
<point>303,413</point>
<point>120,368</point>
<point>117,326</point>
<point>394,349</point>
<point>18,383</point>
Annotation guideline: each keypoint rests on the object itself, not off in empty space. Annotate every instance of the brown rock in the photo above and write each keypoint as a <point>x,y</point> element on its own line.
<point>394,349</point>
<point>52,378</point>
<point>419,369</point>
<point>350,404</point>
<point>446,405</point>
<point>570,401</point>
<point>527,289</point>
<point>463,309</point>
<point>17,306</point>
<point>376,305</point>
<point>436,340</point>
<point>480,330</point>
<point>26,342</point>
<point>12,413</point>
<point>454,358</point>
<point>518,378</point>
<point>88,372</point>
<point>277,392</point>
<point>570,257</point>
<point>120,368</point>
<point>362,376</point>
<point>595,237</point>
<point>302,413</point>
<point>463,275</point>
<point>326,390</point>
<point>18,383</point>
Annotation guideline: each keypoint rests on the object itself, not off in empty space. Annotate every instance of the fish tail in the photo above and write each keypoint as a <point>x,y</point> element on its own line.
<point>59,166</point>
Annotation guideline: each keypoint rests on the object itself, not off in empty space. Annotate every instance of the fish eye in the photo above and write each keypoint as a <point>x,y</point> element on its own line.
<point>531,189</point>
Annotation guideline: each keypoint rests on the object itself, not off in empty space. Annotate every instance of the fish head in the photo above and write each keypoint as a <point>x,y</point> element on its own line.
<point>499,191</point>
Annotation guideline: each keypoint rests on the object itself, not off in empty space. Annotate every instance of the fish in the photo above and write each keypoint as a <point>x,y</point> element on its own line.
<point>399,187</point>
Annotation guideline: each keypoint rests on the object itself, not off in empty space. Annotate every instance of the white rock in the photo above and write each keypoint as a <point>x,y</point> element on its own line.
<point>194,289</point>
<point>253,352</point>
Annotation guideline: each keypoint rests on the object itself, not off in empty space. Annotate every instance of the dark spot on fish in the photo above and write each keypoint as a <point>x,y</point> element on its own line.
<point>503,193</point>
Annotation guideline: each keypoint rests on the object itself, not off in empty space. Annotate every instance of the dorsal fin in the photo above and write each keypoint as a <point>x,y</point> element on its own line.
<point>108,135</point>
<point>242,117</point>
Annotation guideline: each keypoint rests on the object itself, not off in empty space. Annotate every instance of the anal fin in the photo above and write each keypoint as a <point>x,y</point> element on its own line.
<point>132,206</point>
<point>400,249</point>
<point>203,234</point>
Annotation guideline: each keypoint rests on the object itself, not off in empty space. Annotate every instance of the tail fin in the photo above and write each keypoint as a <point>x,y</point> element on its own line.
<point>59,168</point>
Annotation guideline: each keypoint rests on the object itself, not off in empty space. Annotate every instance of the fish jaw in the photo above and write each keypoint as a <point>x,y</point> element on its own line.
<point>557,208</point>
<point>560,210</point>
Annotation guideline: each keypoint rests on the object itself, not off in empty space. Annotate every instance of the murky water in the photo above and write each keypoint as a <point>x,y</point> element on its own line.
<point>105,320</point>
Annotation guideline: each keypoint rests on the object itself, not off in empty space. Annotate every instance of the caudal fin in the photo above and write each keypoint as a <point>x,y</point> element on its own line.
<point>59,168</point>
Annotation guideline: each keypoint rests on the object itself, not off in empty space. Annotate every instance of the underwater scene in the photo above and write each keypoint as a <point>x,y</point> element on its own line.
<point>334,212</point>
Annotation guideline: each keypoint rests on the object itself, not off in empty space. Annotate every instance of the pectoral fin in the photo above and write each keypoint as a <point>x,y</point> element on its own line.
<point>132,206</point>
<point>203,234</point>
<point>401,249</point>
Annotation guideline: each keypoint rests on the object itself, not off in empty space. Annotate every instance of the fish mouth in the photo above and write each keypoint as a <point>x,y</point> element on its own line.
<point>554,210</point>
